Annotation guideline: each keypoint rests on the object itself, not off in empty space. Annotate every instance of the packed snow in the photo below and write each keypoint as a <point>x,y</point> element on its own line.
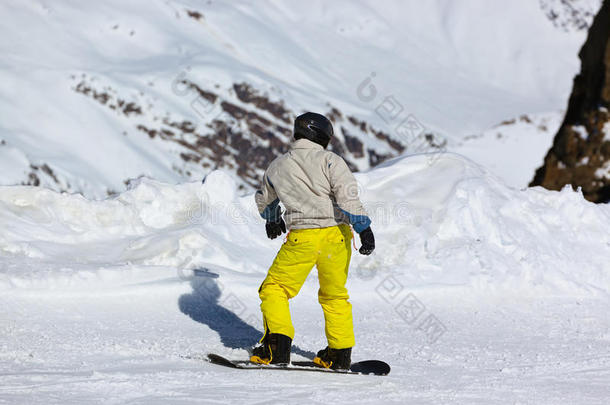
<point>477,293</point>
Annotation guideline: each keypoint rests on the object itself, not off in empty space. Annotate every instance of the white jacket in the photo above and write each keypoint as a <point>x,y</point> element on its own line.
<point>315,186</point>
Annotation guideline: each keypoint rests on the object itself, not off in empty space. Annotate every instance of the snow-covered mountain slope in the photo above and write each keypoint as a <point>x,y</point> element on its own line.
<point>511,148</point>
<point>93,94</point>
<point>477,293</point>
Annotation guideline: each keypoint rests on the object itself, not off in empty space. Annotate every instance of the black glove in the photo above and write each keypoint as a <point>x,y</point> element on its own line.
<point>367,239</point>
<point>275,229</point>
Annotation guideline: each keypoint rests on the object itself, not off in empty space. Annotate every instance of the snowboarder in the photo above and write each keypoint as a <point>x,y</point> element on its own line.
<point>320,195</point>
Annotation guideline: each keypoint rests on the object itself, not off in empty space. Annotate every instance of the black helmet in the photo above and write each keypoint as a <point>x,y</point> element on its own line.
<point>315,127</point>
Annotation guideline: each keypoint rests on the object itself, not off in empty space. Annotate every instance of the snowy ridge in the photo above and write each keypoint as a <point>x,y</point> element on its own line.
<point>439,219</point>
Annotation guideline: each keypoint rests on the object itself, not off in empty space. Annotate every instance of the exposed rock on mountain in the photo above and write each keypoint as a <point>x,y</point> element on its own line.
<point>580,154</point>
<point>241,129</point>
<point>570,15</point>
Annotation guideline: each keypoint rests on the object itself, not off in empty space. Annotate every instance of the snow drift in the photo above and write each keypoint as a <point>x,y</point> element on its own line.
<point>439,219</point>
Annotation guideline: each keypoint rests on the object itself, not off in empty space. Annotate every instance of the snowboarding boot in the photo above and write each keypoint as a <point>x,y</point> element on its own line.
<point>275,349</point>
<point>336,359</point>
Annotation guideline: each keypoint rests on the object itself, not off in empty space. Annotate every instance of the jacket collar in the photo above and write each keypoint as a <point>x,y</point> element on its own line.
<point>305,144</point>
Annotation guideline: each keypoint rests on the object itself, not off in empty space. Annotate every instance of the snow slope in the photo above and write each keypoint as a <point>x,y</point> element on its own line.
<point>488,294</point>
<point>429,58</point>
<point>520,142</point>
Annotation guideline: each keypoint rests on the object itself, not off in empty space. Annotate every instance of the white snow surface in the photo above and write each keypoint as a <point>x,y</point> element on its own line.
<point>477,293</point>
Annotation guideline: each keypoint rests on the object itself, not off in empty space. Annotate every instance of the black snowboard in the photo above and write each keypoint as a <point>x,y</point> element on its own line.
<point>376,367</point>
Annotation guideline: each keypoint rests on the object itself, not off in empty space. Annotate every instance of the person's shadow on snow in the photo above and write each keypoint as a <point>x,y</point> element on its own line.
<point>202,306</point>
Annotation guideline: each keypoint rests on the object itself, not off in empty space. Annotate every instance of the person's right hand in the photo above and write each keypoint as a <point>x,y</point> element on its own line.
<point>367,239</point>
<point>275,229</point>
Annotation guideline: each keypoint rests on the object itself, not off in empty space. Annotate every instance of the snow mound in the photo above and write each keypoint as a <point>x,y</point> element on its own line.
<point>453,223</point>
<point>439,219</point>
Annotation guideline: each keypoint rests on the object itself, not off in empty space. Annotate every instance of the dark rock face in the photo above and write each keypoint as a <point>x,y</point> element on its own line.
<point>580,154</point>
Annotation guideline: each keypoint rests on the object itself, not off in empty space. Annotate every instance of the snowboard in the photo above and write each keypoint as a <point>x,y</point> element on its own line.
<point>376,367</point>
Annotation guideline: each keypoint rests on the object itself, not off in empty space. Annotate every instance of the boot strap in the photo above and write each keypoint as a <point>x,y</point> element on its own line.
<point>258,360</point>
<point>322,363</point>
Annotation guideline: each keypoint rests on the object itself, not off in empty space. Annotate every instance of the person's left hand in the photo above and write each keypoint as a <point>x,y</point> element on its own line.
<point>368,242</point>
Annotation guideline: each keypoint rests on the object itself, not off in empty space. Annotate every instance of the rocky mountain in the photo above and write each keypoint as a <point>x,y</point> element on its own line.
<point>580,154</point>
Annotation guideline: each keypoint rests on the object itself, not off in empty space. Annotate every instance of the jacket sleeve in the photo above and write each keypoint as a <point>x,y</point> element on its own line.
<point>267,201</point>
<point>345,190</point>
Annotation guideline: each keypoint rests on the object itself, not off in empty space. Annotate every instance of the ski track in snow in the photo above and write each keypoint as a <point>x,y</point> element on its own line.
<point>99,304</point>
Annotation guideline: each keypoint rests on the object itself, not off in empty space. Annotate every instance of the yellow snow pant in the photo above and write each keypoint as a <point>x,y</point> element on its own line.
<point>330,250</point>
